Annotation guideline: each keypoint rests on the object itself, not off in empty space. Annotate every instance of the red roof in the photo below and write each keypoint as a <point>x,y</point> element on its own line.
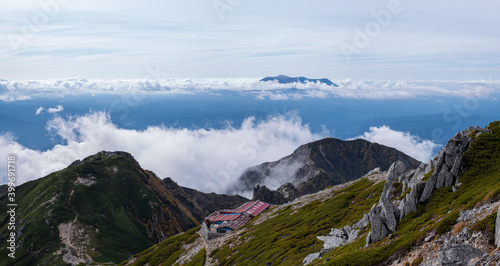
<point>257,208</point>
<point>245,206</point>
<point>253,208</point>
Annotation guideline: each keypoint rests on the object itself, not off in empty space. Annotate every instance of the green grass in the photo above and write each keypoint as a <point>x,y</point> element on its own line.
<point>167,252</point>
<point>428,175</point>
<point>198,259</point>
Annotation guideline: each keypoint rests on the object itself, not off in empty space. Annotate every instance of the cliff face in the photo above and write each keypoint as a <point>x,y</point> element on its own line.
<point>103,208</point>
<point>316,166</point>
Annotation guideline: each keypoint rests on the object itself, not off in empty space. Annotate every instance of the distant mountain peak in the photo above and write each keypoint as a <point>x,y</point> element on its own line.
<point>283,79</point>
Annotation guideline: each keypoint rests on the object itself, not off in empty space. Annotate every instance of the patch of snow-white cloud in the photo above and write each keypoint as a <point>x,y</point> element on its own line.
<point>39,110</point>
<point>204,159</point>
<point>57,109</point>
<point>411,145</point>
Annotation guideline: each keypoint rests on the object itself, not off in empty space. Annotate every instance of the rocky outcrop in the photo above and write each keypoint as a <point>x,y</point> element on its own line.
<point>449,164</point>
<point>446,169</point>
<point>336,238</point>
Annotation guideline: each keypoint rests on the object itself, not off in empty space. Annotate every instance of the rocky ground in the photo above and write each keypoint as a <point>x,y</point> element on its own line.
<point>460,246</point>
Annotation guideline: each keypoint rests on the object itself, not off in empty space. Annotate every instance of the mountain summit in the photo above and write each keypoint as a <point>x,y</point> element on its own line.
<point>282,79</point>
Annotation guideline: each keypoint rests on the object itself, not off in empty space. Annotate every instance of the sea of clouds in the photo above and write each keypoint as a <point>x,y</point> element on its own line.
<point>13,90</point>
<point>210,160</point>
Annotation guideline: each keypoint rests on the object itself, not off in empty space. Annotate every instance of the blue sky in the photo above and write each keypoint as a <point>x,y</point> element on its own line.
<point>422,40</point>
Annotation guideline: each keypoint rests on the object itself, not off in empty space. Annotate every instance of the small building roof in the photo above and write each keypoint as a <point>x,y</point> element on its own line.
<point>239,216</point>
<point>257,208</point>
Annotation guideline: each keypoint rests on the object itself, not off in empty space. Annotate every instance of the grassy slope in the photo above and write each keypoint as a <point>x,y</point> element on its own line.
<point>168,251</point>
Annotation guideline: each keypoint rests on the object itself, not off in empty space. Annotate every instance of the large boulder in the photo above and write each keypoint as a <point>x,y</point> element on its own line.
<point>458,255</point>
<point>442,176</point>
<point>388,211</point>
<point>429,187</point>
<point>379,230</point>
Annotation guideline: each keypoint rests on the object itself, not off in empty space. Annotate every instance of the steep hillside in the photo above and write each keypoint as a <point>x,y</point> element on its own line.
<point>104,208</point>
<point>453,223</point>
<point>316,166</point>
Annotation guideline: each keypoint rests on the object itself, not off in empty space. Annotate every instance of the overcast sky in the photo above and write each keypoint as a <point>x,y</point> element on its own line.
<point>424,40</point>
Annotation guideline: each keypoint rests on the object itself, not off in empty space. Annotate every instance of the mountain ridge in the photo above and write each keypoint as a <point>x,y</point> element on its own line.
<point>283,79</point>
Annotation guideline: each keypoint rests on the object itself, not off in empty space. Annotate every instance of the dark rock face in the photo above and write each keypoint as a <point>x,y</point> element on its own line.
<point>318,165</point>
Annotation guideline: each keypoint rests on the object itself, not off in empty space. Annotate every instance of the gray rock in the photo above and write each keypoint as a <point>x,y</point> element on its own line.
<point>379,230</point>
<point>497,229</point>
<point>440,162</point>
<point>363,222</point>
<point>310,258</point>
<point>419,172</point>
<point>457,164</point>
<point>368,238</point>
<point>389,213</point>
<point>410,203</point>
<point>449,159</point>
<point>450,179</point>
<point>458,255</point>
<point>420,186</point>
<point>331,242</point>
<point>338,233</point>
<point>441,176</point>
<point>352,236</point>
<point>429,167</point>
<point>429,187</point>
<point>397,168</point>
<point>465,142</point>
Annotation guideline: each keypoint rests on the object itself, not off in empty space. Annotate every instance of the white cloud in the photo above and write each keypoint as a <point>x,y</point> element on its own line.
<point>39,110</point>
<point>205,159</point>
<point>57,109</point>
<point>348,88</point>
<point>412,145</point>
